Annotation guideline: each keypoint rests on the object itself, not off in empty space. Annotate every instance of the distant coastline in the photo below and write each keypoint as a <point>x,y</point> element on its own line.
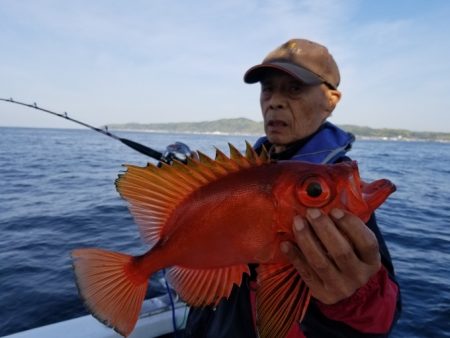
<point>243,126</point>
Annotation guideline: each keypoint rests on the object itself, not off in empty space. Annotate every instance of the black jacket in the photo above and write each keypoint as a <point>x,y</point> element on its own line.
<point>233,318</point>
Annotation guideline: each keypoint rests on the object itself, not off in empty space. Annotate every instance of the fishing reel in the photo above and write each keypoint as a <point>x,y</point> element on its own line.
<point>176,151</point>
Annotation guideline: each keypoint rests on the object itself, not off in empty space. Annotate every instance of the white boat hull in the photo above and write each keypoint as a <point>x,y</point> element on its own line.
<point>156,319</point>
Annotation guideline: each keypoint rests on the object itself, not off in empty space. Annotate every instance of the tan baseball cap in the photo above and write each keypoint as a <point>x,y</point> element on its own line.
<point>305,60</point>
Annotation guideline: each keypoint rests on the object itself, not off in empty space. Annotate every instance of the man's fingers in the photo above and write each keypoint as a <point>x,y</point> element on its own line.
<point>335,255</point>
<point>298,261</point>
<point>363,240</point>
<point>309,245</point>
<point>333,241</point>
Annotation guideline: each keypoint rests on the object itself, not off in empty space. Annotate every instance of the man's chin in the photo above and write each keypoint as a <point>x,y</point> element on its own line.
<point>277,140</point>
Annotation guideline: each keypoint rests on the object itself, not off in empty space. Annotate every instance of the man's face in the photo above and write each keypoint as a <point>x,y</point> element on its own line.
<point>292,110</point>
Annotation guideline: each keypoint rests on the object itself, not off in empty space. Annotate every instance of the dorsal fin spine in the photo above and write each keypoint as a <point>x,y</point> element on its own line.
<point>251,154</point>
<point>236,155</point>
<point>168,174</point>
<point>226,163</point>
<point>149,215</point>
<point>198,170</point>
<point>203,158</point>
<point>194,166</point>
<point>177,179</point>
<point>219,169</point>
<point>164,209</point>
<point>156,191</point>
<point>213,168</point>
<point>264,156</point>
<point>220,156</point>
<point>146,199</point>
<point>160,195</point>
<point>140,177</point>
<point>196,177</point>
<point>212,165</point>
<point>136,185</point>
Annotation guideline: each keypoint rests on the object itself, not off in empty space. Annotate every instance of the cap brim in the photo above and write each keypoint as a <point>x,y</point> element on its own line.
<point>257,73</point>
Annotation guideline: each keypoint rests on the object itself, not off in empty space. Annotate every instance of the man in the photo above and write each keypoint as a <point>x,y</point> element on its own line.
<point>344,262</point>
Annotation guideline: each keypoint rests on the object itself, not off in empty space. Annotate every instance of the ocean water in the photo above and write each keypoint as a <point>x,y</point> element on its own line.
<point>57,193</point>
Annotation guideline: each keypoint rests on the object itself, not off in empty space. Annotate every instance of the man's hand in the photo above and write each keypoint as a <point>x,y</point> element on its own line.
<point>334,255</point>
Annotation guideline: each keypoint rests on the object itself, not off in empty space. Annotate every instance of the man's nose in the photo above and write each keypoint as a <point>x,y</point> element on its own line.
<point>277,100</point>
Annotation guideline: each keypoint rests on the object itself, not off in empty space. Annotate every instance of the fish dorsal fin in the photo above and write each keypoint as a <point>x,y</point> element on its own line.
<point>201,287</point>
<point>154,192</point>
<point>281,299</point>
<point>240,159</point>
<point>251,154</point>
<point>264,154</point>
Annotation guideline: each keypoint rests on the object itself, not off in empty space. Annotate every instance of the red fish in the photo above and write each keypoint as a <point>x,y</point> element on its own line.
<point>207,220</point>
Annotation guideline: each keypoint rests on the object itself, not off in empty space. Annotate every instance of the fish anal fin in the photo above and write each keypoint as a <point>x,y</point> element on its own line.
<point>281,299</point>
<point>201,287</point>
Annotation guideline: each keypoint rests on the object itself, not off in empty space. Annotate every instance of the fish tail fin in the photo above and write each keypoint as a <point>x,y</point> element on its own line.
<point>112,287</point>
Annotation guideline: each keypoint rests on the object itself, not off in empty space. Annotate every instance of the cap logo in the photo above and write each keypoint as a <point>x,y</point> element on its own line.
<point>293,47</point>
<point>287,51</point>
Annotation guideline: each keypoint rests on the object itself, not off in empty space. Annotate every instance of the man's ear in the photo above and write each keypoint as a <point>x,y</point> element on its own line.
<point>333,96</point>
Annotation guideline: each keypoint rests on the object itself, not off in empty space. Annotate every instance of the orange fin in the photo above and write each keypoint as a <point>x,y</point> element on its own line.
<point>201,287</point>
<point>281,299</point>
<point>112,291</point>
<point>154,192</point>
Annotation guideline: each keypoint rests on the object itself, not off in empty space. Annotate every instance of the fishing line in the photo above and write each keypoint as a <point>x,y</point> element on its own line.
<point>178,151</point>
<point>172,305</point>
<point>132,144</point>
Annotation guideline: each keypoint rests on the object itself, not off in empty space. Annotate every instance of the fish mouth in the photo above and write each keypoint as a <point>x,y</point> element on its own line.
<point>377,192</point>
<point>373,194</point>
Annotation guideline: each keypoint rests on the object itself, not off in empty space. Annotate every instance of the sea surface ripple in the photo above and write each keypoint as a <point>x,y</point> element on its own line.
<point>57,193</point>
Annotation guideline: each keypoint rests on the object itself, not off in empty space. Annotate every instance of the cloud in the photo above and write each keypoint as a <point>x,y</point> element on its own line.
<point>143,61</point>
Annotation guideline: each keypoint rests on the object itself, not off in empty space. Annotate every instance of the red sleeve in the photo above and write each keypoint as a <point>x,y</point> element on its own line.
<point>370,309</point>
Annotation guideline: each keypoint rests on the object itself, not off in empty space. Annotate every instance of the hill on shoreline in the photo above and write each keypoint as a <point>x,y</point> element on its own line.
<point>243,126</point>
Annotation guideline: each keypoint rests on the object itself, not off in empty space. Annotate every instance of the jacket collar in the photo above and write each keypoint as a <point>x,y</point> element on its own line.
<point>326,145</point>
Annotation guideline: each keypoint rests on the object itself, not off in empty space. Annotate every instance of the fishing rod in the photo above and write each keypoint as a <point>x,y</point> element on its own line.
<point>178,150</point>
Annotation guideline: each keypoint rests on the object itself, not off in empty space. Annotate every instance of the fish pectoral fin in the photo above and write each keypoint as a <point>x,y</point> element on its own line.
<point>201,287</point>
<point>281,299</point>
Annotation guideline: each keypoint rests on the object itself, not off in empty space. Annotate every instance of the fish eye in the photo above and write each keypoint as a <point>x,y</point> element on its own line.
<point>314,189</point>
<point>313,192</point>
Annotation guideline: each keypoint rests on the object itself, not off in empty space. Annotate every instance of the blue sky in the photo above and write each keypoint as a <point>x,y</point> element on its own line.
<point>111,61</point>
